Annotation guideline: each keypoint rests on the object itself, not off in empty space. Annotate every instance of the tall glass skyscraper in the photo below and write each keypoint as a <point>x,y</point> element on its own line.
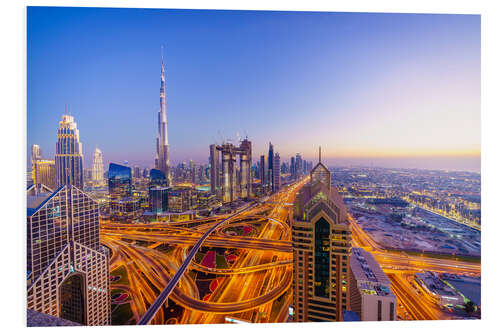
<point>157,178</point>
<point>270,160</point>
<point>68,269</point>
<point>69,156</point>
<point>119,181</point>
<point>162,160</point>
<point>97,168</point>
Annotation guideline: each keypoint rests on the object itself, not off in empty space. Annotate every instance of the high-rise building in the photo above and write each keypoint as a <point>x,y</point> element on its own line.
<point>162,160</point>
<point>292,167</point>
<point>119,181</point>
<point>180,199</point>
<point>137,172</point>
<point>270,160</point>
<point>245,175</point>
<point>193,172</point>
<point>68,268</point>
<point>158,199</point>
<point>299,169</point>
<point>276,173</point>
<point>44,172</point>
<point>234,182</point>
<point>97,168</point>
<point>157,178</point>
<point>371,296</point>
<point>321,238</point>
<point>69,155</point>
<point>263,173</point>
<point>145,173</point>
<point>36,154</point>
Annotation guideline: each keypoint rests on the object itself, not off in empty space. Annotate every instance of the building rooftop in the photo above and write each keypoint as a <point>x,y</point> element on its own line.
<point>434,284</point>
<point>365,267</point>
<point>36,197</point>
<point>38,319</point>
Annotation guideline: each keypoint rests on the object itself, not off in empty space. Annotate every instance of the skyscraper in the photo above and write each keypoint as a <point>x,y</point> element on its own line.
<point>234,182</point>
<point>44,173</point>
<point>276,173</point>
<point>119,181</point>
<point>97,168</point>
<point>137,172</point>
<point>162,160</point>
<point>68,269</point>
<point>69,156</point>
<point>292,167</point>
<point>298,166</point>
<point>36,154</point>
<point>263,173</point>
<point>270,160</point>
<point>321,238</point>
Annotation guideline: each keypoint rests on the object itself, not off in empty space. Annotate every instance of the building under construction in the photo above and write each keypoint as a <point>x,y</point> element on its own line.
<point>228,180</point>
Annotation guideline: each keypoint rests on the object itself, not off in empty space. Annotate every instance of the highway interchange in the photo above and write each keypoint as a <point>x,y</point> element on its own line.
<point>256,288</point>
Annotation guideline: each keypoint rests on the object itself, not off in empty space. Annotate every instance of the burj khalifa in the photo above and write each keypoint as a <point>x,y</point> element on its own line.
<point>162,160</point>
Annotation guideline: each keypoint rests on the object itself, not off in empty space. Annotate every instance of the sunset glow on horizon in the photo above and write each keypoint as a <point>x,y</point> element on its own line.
<point>364,86</point>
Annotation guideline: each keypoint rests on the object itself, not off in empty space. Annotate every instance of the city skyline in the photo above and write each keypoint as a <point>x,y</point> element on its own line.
<point>435,133</point>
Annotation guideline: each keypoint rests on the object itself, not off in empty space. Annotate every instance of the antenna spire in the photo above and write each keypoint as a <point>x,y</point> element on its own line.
<point>319,154</point>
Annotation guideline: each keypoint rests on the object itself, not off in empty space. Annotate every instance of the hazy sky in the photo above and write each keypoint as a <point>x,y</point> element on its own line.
<point>398,90</point>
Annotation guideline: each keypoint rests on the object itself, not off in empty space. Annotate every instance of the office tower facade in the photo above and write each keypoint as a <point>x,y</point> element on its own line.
<point>145,173</point>
<point>298,166</point>
<point>97,168</point>
<point>69,155</point>
<point>157,178</point>
<point>263,173</point>
<point>193,172</point>
<point>292,167</point>
<point>371,296</point>
<point>119,181</point>
<point>321,238</point>
<point>158,199</point>
<point>162,160</point>
<point>229,179</point>
<point>44,172</point>
<point>235,181</point>
<point>68,269</point>
<point>180,199</point>
<point>270,167</point>
<point>36,154</point>
<point>137,172</point>
<point>245,169</point>
<point>276,173</point>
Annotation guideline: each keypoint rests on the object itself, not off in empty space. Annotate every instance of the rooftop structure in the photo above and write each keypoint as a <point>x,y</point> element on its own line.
<point>371,294</point>
<point>39,319</point>
<point>438,289</point>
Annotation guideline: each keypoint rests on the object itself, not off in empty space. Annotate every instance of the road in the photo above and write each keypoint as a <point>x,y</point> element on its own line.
<point>154,308</point>
<point>256,287</point>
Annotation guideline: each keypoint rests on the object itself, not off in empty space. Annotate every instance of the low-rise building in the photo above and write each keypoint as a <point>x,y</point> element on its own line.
<point>437,289</point>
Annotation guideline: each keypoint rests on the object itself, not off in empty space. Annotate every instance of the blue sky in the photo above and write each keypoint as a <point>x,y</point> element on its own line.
<point>397,90</point>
